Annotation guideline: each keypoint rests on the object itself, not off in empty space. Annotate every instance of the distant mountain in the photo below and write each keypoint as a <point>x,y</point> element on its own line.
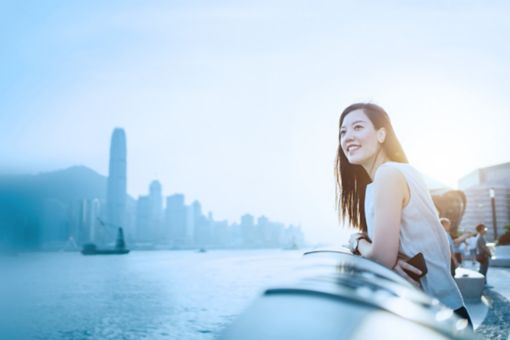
<point>74,183</point>
<point>67,185</point>
<point>39,209</point>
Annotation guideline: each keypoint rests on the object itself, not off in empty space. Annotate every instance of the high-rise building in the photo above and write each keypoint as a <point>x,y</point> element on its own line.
<point>156,199</point>
<point>201,226</point>
<point>248,230</point>
<point>156,211</point>
<point>149,215</point>
<point>478,186</point>
<point>190,223</point>
<point>293,237</point>
<point>176,214</point>
<point>85,214</point>
<point>143,219</point>
<point>220,234</point>
<point>117,182</point>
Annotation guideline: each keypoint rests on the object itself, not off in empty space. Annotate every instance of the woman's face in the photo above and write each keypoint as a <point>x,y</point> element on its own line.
<point>359,139</point>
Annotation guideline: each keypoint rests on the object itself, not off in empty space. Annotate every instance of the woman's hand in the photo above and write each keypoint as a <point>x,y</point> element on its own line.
<point>399,268</point>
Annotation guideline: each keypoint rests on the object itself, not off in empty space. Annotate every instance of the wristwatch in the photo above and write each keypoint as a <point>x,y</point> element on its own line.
<point>355,243</point>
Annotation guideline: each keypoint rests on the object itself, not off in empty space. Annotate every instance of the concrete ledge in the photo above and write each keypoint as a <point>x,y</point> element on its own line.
<point>470,282</point>
<point>501,257</point>
<point>502,251</point>
<point>500,262</point>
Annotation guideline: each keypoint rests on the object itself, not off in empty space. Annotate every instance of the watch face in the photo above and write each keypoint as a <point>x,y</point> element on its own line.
<point>353,244</point>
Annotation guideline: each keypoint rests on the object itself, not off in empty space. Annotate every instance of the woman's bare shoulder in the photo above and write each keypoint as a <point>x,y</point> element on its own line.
<point>388,173</point>
<point>389,180</point>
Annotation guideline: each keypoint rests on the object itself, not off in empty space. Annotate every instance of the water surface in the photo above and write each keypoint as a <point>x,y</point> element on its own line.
<point>146,294</point>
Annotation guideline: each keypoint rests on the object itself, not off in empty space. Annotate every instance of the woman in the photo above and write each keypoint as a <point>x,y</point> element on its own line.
<point>388,201</point>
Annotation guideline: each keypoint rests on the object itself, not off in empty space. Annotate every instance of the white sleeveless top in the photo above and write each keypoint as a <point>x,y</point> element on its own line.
<point>421,231</point>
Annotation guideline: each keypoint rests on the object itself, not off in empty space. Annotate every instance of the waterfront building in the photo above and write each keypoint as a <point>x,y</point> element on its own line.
<point>130,220</point>
<point>149,215</point>
<point>176,214</point>
<point>156,204</point>
<point>220,233</point>
<point>248,230</point>
<point>293,237</point>
<point>201,226</point>
<point>261,231</point>
<point>478,186</point>
<point>156,212</point>
<point>143,219</point>
<point>85,214</point>
<point>236,237</point>
<point>190,224</point>
<point>117,182</point>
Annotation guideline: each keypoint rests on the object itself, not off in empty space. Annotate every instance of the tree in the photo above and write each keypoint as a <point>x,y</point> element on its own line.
<point>505,238</point>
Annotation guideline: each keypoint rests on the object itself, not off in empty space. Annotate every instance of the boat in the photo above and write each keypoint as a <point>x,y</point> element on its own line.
<point>119,249</point>
<point>91,249</point>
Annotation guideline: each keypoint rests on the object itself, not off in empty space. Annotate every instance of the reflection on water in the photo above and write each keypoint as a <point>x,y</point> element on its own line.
<point>153,294</point>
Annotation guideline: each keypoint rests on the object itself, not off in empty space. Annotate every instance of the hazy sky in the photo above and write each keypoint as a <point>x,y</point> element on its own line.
<point>236,103</point>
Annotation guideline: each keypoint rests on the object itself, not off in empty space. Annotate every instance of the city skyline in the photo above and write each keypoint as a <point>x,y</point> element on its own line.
<point>176,222</point>
<point>148,223</point>
<point>238,103</point>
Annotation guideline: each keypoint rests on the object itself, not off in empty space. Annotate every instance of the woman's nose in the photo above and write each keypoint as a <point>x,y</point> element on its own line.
<point>347,136</point>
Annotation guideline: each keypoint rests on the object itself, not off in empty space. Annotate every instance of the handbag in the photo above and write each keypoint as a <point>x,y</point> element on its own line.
<point>481,258</point>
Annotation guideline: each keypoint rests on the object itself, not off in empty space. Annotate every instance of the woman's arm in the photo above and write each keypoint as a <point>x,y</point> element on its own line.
<point>390,195</point>
<point>462,238</point>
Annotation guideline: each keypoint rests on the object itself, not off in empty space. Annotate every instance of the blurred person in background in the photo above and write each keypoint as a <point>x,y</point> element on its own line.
<point>483,253</point>
<point>457,243</point>
<point>471,248</point>
<point>445,222</point>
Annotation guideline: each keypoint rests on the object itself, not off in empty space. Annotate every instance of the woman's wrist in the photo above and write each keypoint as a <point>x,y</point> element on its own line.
<point>364,238</point>
<point>355,240</point>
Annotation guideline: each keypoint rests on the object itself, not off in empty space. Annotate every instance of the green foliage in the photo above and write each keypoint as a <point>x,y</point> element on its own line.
<point>505,238</point>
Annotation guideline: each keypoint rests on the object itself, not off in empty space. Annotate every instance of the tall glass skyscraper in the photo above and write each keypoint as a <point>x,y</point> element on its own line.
<point>117,181</point>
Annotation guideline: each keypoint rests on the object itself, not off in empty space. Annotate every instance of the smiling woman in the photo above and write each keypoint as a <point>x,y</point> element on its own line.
<point>388,201</point>
<point>351,176</point>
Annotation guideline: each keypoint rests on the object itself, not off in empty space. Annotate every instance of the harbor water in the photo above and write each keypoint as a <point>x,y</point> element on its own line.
<point>146,294</point>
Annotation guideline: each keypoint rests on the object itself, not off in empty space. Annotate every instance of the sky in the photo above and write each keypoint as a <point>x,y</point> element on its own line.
<point>236,103</point>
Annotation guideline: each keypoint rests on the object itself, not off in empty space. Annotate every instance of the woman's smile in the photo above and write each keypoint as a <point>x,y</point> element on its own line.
<point>352,148</point>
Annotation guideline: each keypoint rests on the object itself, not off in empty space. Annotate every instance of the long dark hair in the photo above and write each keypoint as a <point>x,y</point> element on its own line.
<point>352,179</point>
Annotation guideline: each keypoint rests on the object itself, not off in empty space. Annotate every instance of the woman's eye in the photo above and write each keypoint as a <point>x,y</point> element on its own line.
<point>358,127</point>
<point>342,133</point>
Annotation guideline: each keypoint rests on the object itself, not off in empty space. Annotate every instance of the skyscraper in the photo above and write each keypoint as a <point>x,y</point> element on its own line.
<point>176,215</point>
<point>156,200</point>
<point>248,230</point>
<point>117,181</point>
<point>149,215</point>
<point>143,220</point>
<point>201,226</point>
